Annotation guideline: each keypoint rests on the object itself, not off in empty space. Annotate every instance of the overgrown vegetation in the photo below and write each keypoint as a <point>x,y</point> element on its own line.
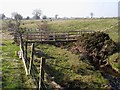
<point>69,71</point>
<point>97,45</point>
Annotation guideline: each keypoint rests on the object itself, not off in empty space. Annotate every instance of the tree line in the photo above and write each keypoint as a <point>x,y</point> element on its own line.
<point>36,15</point>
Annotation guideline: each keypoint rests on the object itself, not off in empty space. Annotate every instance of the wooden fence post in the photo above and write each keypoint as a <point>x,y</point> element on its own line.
<point>41,36</point>
<point>22,52</point>
<point>67,36</point>
<point>54,36</point>
<point>26,50</point>
<point>31,58</point>
<point>41,78</point>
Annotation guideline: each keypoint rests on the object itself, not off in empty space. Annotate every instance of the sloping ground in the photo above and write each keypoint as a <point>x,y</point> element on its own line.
<point>69,71</point>
<point>78,24</point>
<point>83,24</point>
<point>13,74</point>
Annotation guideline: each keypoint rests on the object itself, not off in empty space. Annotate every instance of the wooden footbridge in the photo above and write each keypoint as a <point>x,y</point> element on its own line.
<point>32,36</point>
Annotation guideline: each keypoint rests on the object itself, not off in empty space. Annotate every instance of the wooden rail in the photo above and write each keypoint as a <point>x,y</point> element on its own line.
<point>22,53</point>
<point>36,36</point>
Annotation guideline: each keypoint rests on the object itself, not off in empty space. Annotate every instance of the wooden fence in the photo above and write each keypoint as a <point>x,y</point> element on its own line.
<point>43,36</point>
<point>29,66</point>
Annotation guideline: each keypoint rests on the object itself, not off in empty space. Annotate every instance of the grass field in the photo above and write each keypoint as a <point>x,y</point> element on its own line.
<point>13,74</point>
<point>88,76</point>
<point>79,24</point>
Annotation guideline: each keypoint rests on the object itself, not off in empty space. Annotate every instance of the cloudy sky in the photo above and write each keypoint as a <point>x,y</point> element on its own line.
<point>64,8</point>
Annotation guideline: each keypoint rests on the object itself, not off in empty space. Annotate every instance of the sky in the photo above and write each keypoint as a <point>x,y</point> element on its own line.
<point>64,8</point>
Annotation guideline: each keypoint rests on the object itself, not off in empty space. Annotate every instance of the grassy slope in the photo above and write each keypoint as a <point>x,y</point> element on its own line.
<point>65,66</point>
<point>64,25</point>
<point>81,24</point>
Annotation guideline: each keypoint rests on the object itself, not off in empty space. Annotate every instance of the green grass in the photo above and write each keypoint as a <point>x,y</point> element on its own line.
<point>13,74</point>
<point>82,24</point>
<point>79,24</point>
<point>9,49</point>
<point>65,66</point>
<point>114,61</point>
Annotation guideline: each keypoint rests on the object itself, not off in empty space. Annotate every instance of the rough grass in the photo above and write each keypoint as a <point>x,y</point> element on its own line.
<point>79,24</point>
<point>13,74</point>
<point>82,24</point>
<point>115,61</point>
<point>65,66</point>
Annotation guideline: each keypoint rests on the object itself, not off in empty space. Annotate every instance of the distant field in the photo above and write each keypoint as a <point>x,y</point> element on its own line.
<point>78,24</point>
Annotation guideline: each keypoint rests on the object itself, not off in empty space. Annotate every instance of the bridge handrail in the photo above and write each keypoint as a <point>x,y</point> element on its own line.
<point>52,35</point>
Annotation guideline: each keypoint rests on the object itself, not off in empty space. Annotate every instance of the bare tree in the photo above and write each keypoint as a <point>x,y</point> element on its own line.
<point>37,13</point>
<point>91,14</point>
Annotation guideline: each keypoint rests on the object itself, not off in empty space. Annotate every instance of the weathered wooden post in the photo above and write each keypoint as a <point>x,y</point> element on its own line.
<point>22,52</point>
<point>31,58</point>
<point>41,78</point>
<point>26,50</point>
<point>54,36</point>
<point>41,36</point>
<point>67,36</point>
<point>27,36</point>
